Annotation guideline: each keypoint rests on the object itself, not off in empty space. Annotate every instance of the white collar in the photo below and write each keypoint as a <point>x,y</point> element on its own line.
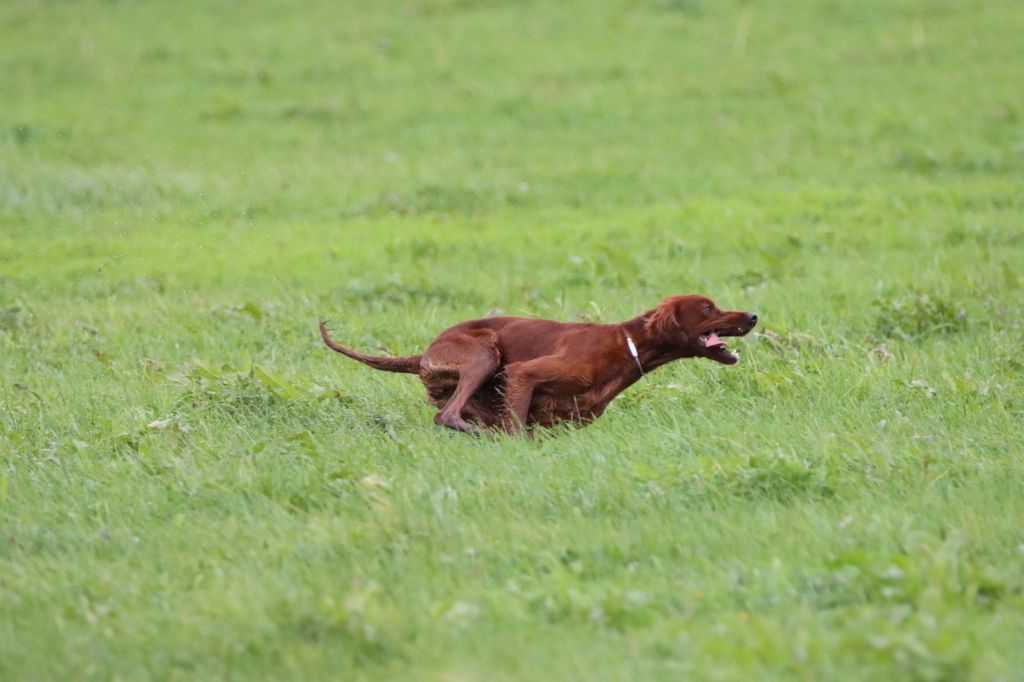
<point>632,351</point>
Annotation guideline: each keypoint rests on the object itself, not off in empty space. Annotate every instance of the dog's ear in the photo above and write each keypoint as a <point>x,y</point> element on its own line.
<point>665,322</point>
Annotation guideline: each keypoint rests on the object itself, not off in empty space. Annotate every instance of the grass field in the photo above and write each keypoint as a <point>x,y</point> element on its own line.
<point>193,488</point>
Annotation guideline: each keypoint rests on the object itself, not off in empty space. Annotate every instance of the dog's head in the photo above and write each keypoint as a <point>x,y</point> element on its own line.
<point>694,326</point>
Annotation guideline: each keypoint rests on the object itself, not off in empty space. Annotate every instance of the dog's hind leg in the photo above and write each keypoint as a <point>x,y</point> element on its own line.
<point>474,359</point>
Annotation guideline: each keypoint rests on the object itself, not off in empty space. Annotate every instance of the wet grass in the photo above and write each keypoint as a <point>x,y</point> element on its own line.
<point>191,487</point>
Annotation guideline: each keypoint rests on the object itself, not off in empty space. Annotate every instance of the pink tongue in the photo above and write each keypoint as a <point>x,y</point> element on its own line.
<point>713,340</point>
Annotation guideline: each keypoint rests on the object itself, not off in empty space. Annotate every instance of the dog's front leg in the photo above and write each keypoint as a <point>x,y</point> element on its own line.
<point>523,379</point>
<point>520,381</point>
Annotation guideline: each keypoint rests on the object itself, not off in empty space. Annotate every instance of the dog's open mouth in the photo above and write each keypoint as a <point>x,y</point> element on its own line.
<point>717,349</point>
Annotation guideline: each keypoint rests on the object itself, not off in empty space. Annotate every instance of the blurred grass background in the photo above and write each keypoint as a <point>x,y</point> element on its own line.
<point>192,488</point>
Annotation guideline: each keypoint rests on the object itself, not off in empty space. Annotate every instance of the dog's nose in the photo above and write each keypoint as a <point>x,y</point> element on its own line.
<point>752,317</point>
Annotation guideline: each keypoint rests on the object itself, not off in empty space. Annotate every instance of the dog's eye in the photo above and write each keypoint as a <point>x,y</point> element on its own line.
<point>708,308</point>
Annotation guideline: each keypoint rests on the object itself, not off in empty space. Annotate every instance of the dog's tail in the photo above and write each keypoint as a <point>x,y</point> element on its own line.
<point>409,364</point>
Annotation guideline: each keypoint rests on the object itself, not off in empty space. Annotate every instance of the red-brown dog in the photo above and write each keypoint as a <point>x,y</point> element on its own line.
<point>511,372</point>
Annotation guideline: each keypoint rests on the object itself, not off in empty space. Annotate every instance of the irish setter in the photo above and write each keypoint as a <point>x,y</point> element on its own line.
<point>515,372</point>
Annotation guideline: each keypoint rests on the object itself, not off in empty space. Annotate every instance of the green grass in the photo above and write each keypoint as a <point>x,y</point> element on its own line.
<point>191,487</point>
